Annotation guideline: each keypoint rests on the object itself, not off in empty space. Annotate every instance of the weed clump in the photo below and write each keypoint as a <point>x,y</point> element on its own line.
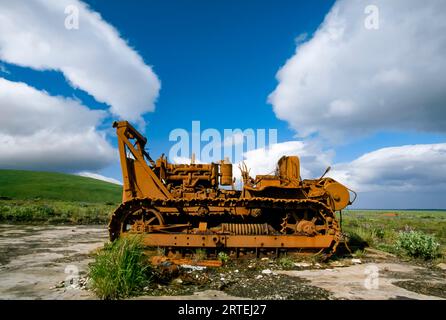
<point>223,257</point>
<point>120,270</point>
<point>286,263</point>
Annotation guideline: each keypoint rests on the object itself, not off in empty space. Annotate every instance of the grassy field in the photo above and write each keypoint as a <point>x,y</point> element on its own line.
<point>380,228</point>
<point>43,197</point>
<point>55,212</point>
<point>48,197</point>
<point>30,185</point>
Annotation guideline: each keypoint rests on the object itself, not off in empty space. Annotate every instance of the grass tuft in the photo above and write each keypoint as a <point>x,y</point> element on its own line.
<point>223,257</point>
<point>120,270</point>
<point>286,263</point>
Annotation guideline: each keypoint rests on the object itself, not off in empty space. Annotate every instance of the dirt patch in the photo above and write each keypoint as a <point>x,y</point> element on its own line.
<point>427,281</point>
<point>254,284</point>
<point>35,262</point>
<point>36,258</point>
<point>370,281</point>
<point>425,288</point>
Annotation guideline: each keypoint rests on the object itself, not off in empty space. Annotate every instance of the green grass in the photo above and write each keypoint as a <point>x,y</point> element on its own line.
<point>381,228</point>
<point>286,263</point>
<point>25,185</point>
<point>223,257</point>
<point>120,270</point>
<point>48,197</point>
<point>55,212</point>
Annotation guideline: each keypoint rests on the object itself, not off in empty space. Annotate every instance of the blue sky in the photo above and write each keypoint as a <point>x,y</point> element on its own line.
<point>218,62</point>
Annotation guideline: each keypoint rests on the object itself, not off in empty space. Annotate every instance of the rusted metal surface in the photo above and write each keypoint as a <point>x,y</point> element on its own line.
<point>158,260</point>
<point>183,206</point>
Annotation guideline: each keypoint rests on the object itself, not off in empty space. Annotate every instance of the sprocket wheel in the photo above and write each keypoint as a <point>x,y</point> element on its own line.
<point>134,218</point>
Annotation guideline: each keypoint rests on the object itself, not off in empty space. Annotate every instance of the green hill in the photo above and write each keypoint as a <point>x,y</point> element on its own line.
<point>23,185</point>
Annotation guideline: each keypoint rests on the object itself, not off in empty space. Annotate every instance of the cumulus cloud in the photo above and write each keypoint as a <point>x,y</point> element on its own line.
<point>349,81</point>
<point>263,160</point>
<point>403,168</point>
<point>93,57</point>
<point>410,176</point>
<point>43,132</point>
<point>98,177</point>
<point>313,161</point>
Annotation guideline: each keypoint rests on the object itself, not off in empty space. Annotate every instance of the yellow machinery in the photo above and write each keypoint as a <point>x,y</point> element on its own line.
<point>182,206</point>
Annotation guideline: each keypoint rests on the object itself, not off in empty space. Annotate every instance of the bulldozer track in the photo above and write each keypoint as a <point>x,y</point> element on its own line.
<point>128,207</point>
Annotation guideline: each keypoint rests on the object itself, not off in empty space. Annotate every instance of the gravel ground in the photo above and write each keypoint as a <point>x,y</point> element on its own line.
<point>50,262</point>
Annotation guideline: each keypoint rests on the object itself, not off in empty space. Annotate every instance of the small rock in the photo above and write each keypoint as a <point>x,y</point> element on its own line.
<point>259,277</point>
<point>193,268</point>
<point>337,264</point>
<point>222,279</point>
<point>177,281</point>
<point>442,266</point>
<point>266,271</point>
<point>265,259</point>
<point>250,266</point>
<point>236,271</point>
<point>356,261</point>
<point>317,265</point>
<point>302,264</point>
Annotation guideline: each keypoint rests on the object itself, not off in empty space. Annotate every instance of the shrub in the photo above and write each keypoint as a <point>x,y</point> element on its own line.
<point>417,244</point>
<point>120,270</point>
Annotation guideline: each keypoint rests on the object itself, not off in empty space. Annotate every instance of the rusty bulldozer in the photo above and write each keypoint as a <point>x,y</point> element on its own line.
<point>181,207</point>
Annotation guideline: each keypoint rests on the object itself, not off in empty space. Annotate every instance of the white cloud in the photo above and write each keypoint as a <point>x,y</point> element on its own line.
<point>400,169</point>
<point>98,177</point>
<point>348,81</point>
<point>93,58</point>
<point>410,176</point>
<point>312,160</point>
<point>43,132</point>
<point>264,160</point>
